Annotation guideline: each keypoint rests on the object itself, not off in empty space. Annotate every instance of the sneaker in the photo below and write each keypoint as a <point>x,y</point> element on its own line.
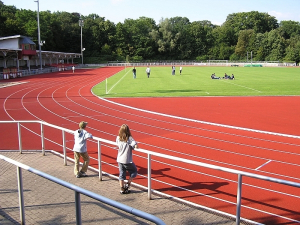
<point>77,176</point>
<point>83,174</point>
<point>127,186</point>
<point>124,191</point>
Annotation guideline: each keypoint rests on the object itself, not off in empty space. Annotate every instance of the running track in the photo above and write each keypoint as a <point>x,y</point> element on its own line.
<point>64,99</point>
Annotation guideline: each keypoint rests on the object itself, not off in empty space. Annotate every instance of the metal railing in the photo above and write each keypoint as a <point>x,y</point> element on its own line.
<point>78,191</point>
<point>199,63</point>
<point>239,173</point>
<point>41,71</point>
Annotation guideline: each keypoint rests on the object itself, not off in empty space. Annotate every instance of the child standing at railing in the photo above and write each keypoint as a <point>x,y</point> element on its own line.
<point>80,150</point>
<point>126,144</point>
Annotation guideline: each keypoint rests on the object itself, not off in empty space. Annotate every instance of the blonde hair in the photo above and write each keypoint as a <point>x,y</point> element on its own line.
<point>82,125</point>
<point>124,133</point>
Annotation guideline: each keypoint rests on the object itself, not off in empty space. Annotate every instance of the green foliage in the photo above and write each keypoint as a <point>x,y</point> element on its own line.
<point>245,42</point>
<point>289,29</point>
<point>173,38</point>
<point>196,81</point>
<point>259,22</point>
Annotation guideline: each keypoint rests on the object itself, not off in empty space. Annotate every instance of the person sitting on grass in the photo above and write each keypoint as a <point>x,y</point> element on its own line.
<point>230,77</point>
<point>226,76</point>
<point>213,76</point>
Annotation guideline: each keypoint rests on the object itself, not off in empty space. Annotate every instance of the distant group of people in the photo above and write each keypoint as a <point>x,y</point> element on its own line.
<point>148,70</point>
<point>213,76</point>
<point>173,70</point>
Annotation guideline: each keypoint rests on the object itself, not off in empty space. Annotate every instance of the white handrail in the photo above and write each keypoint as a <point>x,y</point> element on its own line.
<point>78,190</point>
<point>192,162</point>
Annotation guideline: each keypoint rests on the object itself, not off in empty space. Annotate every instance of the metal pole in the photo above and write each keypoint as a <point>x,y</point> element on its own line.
<point>21,196</point>
<point>106,86</point>
<point>99,161</point>
<point>149,177</point>
<point>64,147</point>
<point>81,49</point>
<point>20,138</point>
<point>239,197</point>
<point>78,208</point>
<point>42,137</point>
<point>39,33</point>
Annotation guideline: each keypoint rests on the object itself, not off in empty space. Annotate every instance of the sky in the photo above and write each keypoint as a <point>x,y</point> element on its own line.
<point>117,11</point>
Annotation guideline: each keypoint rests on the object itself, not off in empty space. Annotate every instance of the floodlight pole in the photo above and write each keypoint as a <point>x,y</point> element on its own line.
<point>39,32</point>
<point>81,49</point>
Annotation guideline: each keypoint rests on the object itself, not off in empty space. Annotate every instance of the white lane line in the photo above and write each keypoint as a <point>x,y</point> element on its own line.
<point>117,82</point>
<point>199,121</point>
<point>241,86</point>
<point>263,165</point>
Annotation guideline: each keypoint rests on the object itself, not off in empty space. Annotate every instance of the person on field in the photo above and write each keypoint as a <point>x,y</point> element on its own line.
<point>73,68</point>
<point>213,76</point>
<point>225,76</point>
<point>148,71</point>
<point>126,144</point>
<point>173,70</point>
<point>134,73</point>
<point>180,70</point>
<point>80,150</point>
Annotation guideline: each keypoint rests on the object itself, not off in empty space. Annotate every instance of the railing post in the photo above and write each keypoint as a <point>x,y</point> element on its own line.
<point>20,137</point>
<point>21,196</point>
<point>149,176</point>
<point>78,208</point>
<point>64,147</point>
<point>239,197</point>
<point>99,161</point>
<point>42,139</point>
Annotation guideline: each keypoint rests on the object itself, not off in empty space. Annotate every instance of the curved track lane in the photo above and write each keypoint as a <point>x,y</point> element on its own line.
<point>176,128</point>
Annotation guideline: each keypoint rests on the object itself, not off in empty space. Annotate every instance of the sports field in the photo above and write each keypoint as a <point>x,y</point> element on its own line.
<point>252,134</point>
<point>196,81</point>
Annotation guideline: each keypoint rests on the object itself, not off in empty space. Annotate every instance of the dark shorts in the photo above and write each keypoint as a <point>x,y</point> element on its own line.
<point>130,167</point>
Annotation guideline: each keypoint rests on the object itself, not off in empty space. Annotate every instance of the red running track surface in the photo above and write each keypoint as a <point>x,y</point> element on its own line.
<point>176,128</point>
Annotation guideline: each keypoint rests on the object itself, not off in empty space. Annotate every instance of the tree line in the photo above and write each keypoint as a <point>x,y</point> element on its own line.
<point>173,38</point>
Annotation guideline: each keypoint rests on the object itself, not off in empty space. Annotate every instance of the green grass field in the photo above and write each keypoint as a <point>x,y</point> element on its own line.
<point>196,81</point>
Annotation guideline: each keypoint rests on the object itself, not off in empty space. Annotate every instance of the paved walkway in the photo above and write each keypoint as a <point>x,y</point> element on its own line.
<point>50,203</point>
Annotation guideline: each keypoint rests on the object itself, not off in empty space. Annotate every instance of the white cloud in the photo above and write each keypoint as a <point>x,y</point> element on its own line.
<point>280,15</point>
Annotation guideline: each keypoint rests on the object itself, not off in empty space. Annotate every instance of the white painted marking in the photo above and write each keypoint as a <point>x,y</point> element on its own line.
<point>241,86</point>
<point>263,165</point>
<point>117,82</point>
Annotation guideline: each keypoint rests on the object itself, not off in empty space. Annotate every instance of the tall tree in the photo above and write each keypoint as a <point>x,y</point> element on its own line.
<point>245,42</point>
<point>289,29</point>
<point>293,49</point>
<point>200,33</point>
<point>8,24</point>
<point>275,46</point>
<point>224,42</point>
<point>259,22</point>
<point>140,45</point>
<point>173,38</point>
